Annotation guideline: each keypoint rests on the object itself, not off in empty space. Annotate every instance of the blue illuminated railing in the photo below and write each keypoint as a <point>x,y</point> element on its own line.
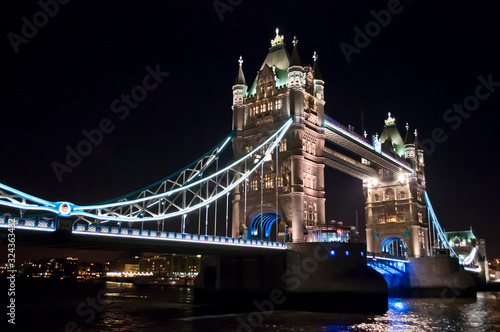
<point>98,230</point>
<point>25,223</point>
<point>387,265</point>
<point>171,236</point>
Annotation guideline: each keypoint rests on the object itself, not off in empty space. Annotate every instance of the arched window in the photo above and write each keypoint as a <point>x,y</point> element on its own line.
<point>310,216</point>
<point>389,194</point>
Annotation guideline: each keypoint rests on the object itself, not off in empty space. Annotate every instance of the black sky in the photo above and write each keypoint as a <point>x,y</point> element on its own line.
<point>65,79</point>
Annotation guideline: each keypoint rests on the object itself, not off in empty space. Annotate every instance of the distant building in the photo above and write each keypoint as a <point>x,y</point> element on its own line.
<point>50,268</point>
<point>90,270</point>
<point>170,263</point>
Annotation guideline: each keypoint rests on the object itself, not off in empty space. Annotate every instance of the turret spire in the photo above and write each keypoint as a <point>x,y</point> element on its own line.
<point>317,73</point>
<point>295,60</point>
<point>240,78</point>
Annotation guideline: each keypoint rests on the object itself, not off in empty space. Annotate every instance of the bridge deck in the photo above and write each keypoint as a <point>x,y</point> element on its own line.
<point>339,135</point>
<point>117,238</point>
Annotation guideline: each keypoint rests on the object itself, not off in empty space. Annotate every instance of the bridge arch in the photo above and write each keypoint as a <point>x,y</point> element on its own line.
<point>395,245</point>
<point>265,223</point>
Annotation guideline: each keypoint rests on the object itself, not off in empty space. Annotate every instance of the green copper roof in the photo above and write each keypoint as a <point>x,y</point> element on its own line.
<point>391,132</point>
<point>278,60</point>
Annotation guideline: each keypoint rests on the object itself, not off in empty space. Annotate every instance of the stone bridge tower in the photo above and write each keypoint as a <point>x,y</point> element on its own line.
<point>292,192</point>
<point>396,211</point>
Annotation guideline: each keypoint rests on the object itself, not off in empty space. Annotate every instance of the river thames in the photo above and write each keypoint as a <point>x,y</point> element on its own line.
<point>43,305</point>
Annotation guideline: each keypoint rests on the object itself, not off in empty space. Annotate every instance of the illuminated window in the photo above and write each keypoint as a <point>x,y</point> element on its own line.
<point>421,238</point>
<point>268,181</point>
<point>391,218</point>
<point>254,185</point>
<point>277,104</point>
<point>280,181</point>
<point>283,145</point>
<point>315,213</point>
<point>310,216</point>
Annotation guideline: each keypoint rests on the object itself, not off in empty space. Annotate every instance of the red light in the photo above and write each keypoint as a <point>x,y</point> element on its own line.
<point>339,231</point>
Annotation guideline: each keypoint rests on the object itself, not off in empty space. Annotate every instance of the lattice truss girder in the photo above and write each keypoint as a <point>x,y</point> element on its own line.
<point>196,186</point>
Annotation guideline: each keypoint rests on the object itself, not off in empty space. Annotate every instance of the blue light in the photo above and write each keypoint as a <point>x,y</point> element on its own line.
<point>362,254</point>
<point>332,252</point>
<point>347,253</point>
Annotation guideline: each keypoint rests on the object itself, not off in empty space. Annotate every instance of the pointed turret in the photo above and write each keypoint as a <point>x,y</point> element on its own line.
<point>319,84</point>
<point>295,71</point>
<point>240,77</point>
<point>317,73</point>
<point>239,96</point>
<point>408,139</point>
<point>409,145</point>
<point>295,60</point>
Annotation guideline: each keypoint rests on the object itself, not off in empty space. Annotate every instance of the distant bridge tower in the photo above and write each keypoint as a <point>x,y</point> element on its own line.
<point>292,190</point>
<point>396,212</point>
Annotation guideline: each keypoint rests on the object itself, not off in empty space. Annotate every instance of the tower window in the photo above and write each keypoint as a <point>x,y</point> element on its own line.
<point>389,195</point>
<point>268,181</point>
<point>283,145</point>
<point>278,104</point>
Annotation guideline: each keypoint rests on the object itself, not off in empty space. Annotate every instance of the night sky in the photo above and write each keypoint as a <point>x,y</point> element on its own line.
<point>69,76</point>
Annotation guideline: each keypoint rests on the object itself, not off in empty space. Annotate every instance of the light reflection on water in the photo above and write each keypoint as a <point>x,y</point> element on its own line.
<point>481,314</point>
<point>132,308</point>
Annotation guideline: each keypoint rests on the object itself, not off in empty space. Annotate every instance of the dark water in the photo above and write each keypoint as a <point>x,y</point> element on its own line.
<point>106,306</point>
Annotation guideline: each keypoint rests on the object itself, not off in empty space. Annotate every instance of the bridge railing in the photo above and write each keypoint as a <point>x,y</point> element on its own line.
<point>94,229</point>
<point>27,223</point>
<point>385,255</point>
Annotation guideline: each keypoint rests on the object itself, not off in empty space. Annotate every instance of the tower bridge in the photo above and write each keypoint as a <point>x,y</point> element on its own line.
<point>273,193</point>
